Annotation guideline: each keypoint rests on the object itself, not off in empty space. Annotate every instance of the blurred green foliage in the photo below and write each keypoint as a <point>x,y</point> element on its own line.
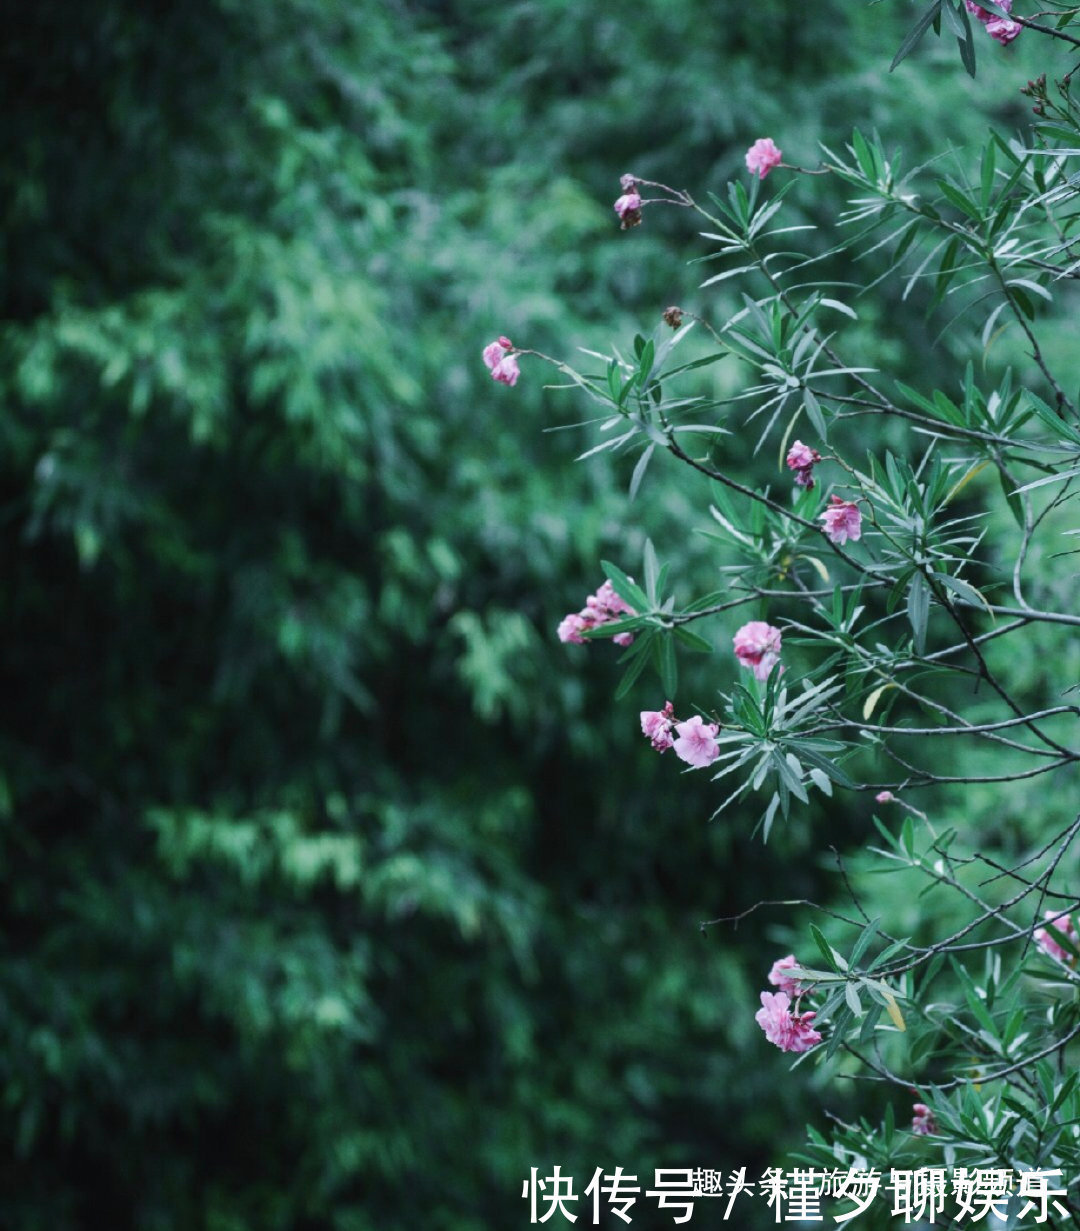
<point>336,893</point>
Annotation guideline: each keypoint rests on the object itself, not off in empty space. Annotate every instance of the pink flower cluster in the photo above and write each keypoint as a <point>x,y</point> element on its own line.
<point>600,608</point>
<point>922,1120</point>
<point>658,725</point>
<point>762,156</point>
<point>802,459</point>
<point>628,206</point>
<point>789,1029</point>
<point>501,363</point>
<point>842,520</point>
<point>694,740</point>
<point>1004,29</point>
<point>757,646</point>
<point>1049,944</point>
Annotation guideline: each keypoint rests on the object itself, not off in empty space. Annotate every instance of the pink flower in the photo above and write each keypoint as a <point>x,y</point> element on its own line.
<point>762,156</point>
<point>627,204</point>
<point>842,520</point>
<point>657,725</point>
<point>697,744</point>
<point>600,608</point>
<point>801,456</point>
<point>884,797</point>
<point>802,459</point>
<point>571,628</point>
<point>757,645</point>
<point>1049,944</point>
<point>628,207</point>
<point>506,371</point>
<point>789,1031</point>
<point>500,362</point>
<point>1003,29</point>
<point>777,977</point>
<point>628,182</point>
<point>607,603</point>
<point>923,1122</point>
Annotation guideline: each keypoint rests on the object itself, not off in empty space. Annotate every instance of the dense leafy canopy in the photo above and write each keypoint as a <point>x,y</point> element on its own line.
<point>336,892</point>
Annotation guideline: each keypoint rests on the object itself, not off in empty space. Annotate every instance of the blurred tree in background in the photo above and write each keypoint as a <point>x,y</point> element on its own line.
<point>336,892</point>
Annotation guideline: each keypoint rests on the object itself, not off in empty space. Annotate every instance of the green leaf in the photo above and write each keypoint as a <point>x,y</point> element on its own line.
<point>861,945</point>
<point>840,1026</point>
<point>963,590</point>
<point>863,155</point>
<point>614,380</point>
<point>890,838</point>
<point>916,33</point>
<point>829,767</point>
<point>952,18</point>
<point>918,608</point>
<point>974,1001</point>
<point>730,273</point>
<point>637,665</point>
<point>1067,1087</point>
<point>604,632</point>
<point>667,664</point>
<point>986,176</point>
<point>1034,287</point>
<point>963,203</point>
<point>813,412</point>
<point>646,362</point>
<point>629,591</point>
<point>870,1021</point>
<point>821,780</point>
<point>851,995</point>
<point>639,470</point>
<point>770,816</point>
<point>966,42</point>
<point>1058,425</point>
<point>907,836</point>
<point>832,959</point>
<point>692,639</point>
<point>1016,507</point>
<point>946,272</point>
<point>652,572</point>
<point>1023,302</point>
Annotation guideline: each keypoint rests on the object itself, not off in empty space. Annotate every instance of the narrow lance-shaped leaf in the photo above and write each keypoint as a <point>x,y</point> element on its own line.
<point>918,607</point>
<point>916,33</point>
